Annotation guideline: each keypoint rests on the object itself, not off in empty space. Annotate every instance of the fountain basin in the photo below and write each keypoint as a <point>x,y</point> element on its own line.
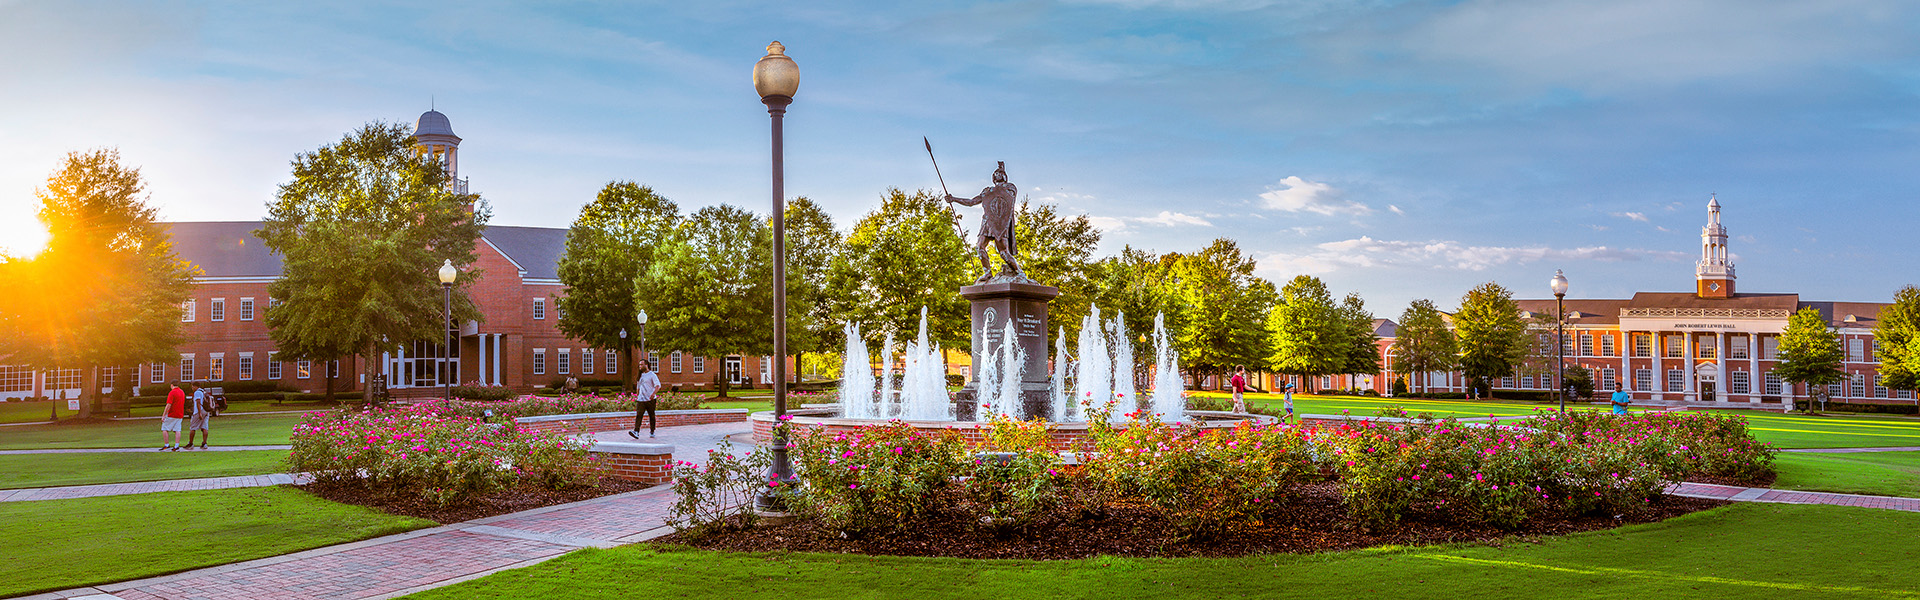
<point>1066,436</point>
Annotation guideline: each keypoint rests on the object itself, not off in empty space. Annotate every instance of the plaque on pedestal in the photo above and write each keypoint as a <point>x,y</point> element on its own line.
<point>1024,302</point>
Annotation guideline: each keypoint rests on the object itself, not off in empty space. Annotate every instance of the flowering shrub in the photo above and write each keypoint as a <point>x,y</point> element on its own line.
<point>1016,477</point>
<point>566,404</point>
<point>431,452</point>
<point>1678,443</point>
<point>877,478</point>
<point>720,494</point>
<point>1201,480</point>
<point>474,390</point>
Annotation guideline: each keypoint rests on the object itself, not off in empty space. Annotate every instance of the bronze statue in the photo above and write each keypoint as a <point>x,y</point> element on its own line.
<point>996,223</point>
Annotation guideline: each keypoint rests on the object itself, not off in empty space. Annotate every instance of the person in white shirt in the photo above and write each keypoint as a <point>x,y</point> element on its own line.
<point>198,410</point>
<point>644,388</point>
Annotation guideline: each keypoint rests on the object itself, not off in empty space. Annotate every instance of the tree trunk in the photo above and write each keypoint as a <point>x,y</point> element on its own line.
<point>331,376</point>
<point>722,378</point>
<point>90,392</point>
<point>366,393</point>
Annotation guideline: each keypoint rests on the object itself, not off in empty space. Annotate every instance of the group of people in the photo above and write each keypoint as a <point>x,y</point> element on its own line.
<point>1239,385</point>
<point>195,411</point>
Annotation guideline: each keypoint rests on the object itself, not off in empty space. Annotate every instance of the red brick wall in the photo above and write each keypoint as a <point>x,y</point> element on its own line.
<point>652,469</point>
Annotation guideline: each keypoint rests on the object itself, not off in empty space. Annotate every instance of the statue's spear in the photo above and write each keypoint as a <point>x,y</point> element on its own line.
<point>943,182</point>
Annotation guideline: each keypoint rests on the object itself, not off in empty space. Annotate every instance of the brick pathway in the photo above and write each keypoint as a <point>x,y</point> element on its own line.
<point>402,564</point>
<point>1746,494</point>
<point>148,487</point>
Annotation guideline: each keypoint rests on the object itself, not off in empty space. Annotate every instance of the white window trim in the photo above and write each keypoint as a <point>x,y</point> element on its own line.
<point>586,361</point>
<point>246,366</point>
<point>276,370</point>
<point>217,310</point>
<point>246,308</point>
<point>539,309</point>
<point>187,310</point>
<point>566,361</point>
<point>539,361</point>
<point>611,365</point>
<point>303,369</point>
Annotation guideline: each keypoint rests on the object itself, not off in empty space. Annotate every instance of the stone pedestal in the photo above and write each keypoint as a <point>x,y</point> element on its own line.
<point>1025,303</point>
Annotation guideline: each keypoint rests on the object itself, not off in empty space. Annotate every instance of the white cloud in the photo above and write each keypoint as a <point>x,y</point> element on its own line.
<point>1367,252</point>
<point>1166,218</point>
<point>1294,194</point>
<point>1641,217</point>
<point>1396,209</point>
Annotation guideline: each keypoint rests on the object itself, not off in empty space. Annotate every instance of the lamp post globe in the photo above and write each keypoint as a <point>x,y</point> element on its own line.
<point>1559,285</point>
<point>776,78</point>
<point>448,274</point>
<point>642,318</point>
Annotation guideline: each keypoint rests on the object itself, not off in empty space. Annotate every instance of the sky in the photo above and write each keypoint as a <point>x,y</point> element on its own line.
<point>1400,150</point>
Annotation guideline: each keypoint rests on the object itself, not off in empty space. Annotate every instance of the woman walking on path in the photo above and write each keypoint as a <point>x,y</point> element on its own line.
<point>644,405</point>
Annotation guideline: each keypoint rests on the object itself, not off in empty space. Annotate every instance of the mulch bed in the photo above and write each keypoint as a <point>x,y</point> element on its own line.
<point>474,507</point>
<point>1315,521</point>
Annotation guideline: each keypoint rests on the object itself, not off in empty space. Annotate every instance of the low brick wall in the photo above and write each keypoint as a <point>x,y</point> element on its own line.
<point>1067,437</point>
<point>623,421</point>
<point>650,464</point>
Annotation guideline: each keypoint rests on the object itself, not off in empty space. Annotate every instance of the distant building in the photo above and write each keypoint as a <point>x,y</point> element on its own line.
<point>517,343</point>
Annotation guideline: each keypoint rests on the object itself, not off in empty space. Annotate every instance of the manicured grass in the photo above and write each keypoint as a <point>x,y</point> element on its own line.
<point>30,412</point>
<point>228,430</point>
<point>1767,551</point>
<point>59,544</point>
<point>250,406</point>
<point>1366,406</point>
<point>1854,431</point>
<point>1871,473</point>
<point>50,470</point>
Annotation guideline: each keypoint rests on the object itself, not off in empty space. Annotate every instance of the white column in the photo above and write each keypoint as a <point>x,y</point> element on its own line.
<point>1756,386</point>
<point>499,342</point>
<point>1687,351</point>
<point>1720,360</point>
<point>1659,364</point>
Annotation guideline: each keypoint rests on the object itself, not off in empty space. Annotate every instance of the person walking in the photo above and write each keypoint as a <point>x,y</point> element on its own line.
<point>1287,400</point>
<point>1239,383</point>
<point>645,406</point>
<point>170,415</point>
<point>198,412</point>
<point>1621,399</point>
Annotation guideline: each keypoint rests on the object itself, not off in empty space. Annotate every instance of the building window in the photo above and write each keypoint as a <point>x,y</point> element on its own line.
<point>63,379</point>
<point>613,362</point>
<point>218,310</point>
<point>157,373</point>
<point>1676,346</point>
<point>1856,347</point>
<point>1879,386</point>
<point>272,302</point>
<point>1606,377</point>
<point>1642,345</point>
<point>1676,380</point>
<point>107,375</point>
<point>1833,390</point>
<point>1737,347</point>
<point>1606,345</point>
<point>1773,384</point>
<point>1876,351</point>
<point>186,367</point>
<point>766,369</point>
<point>186,311</point>
<point>675,357</point>
<point>246,366</point>
<point>16,378</point>
<point>1526,382</point>
<point>246,309</point>
<point>539,361</point>
<point>566,361</point>
<point>586,361</point>
<point>1708,347</point>
<point>699,364</point>
<point>653,361</point>
<point>1507,382</point>
<point>1738,383</point>
<point>274,367</point>
<point>303,369</point>
<point>1770,348</point>
<point>217,367</point>
<point>1859,386</point>
<point>539,309</point>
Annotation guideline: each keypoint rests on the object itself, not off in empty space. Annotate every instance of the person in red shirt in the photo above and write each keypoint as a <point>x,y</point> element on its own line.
<point>170,416</point>
<point>1239,383</point>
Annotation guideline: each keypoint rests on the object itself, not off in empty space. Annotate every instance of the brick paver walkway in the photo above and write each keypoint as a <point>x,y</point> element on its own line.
<point>1746,494</point>
<point>148,487</point>
<point>402,564</point>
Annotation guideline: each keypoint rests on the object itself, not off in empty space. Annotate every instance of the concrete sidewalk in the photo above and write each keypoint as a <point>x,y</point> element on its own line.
<point>149,487</point>
<point>1747,494</point>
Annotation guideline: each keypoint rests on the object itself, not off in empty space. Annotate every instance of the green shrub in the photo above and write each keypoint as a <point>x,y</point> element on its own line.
<point>1204,481</point>
<point>1015,479</point>
<point>879,478</point>
<point>429,452</point>
<point>477,391</point>
<point>722,493</point>
<point>1679,444</point>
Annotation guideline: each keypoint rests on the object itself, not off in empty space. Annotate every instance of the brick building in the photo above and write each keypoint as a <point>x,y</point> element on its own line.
<point>517,342</point>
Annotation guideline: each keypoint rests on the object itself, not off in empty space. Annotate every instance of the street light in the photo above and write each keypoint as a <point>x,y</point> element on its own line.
<point>626,354</point>
<point>642,317</point>
<point>1560,333</point>
<point>776,78</point>
<point>447,275</point>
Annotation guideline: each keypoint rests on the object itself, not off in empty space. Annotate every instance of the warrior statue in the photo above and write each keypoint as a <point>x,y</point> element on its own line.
<point>996,224</point>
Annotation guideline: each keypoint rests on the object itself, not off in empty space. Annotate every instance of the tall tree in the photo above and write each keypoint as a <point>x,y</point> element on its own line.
<point>1898,335</point>
<point>362,231</point>
<point>107,290</point>
<point>611,244</point>
<point>1134,283</point>
<point>904,255</point>
<point>713,285</point>
<point>1810,351</point>
<point>1223,309</point>
<point>1492,338</point>
<point>812,247</point>
<point>1361,353</point>
<point>1423,344</point>
<point>1057,250</point>
<point>1305,330</point>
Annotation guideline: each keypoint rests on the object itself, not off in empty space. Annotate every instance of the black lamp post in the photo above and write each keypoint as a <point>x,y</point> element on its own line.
<point>776,78</point>
<point>1560,335</point>
<point>626,354</point>
<point>642,317</point>
<point>447,276</point>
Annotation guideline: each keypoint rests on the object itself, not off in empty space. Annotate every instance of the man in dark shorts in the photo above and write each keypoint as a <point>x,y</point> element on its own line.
<point>645,407</point>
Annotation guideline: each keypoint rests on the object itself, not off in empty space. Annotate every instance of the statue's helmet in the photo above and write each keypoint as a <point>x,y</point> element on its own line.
<point>1000,173</point>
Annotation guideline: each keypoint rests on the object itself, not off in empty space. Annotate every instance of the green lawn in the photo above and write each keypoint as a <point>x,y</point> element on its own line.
<point>1871,473</point>
<point>1769,551</point>
<point>59,544</point>
<point>227,430</point>
<point>248,406</point>
<point>1366,406</point>
<point>50,470</point>
<point>30,412</point>
<point>1832,431</point>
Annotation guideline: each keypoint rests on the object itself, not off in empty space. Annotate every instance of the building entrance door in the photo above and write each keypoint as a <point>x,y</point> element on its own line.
<point>733,369</point>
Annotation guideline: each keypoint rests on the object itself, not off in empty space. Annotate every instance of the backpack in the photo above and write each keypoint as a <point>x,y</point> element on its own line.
<point>219,405</point>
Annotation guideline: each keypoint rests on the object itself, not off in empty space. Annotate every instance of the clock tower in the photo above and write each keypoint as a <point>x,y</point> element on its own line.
<point>1714,273</point>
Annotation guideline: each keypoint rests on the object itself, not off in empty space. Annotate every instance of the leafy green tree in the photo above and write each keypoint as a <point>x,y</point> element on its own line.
<point>1057,250</point>
<point>610,245</point>
<point>904,255</point>
<point>812,248</point>
<point>1422,343</point>
<point>1581,380</point>
<point>1810,351</point>
<point>1306,332</point>
<point>1134,283</point>
<point>107,290</point>
<point>362,231</point>
<point>1493,340</point>
<point>712,283</point>
<point>1360,350</point>
<point>1222,309</point>
<point>1898,334</point>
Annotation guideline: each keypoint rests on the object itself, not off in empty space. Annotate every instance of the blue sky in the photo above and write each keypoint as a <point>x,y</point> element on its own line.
<point>1398,149</point>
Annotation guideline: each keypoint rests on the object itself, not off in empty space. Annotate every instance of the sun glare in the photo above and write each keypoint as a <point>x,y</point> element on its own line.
<point>22,238</point>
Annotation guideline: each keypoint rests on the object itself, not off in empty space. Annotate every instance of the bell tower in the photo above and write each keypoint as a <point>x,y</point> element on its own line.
<point>1714,273</point>
<point>435,137</point>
